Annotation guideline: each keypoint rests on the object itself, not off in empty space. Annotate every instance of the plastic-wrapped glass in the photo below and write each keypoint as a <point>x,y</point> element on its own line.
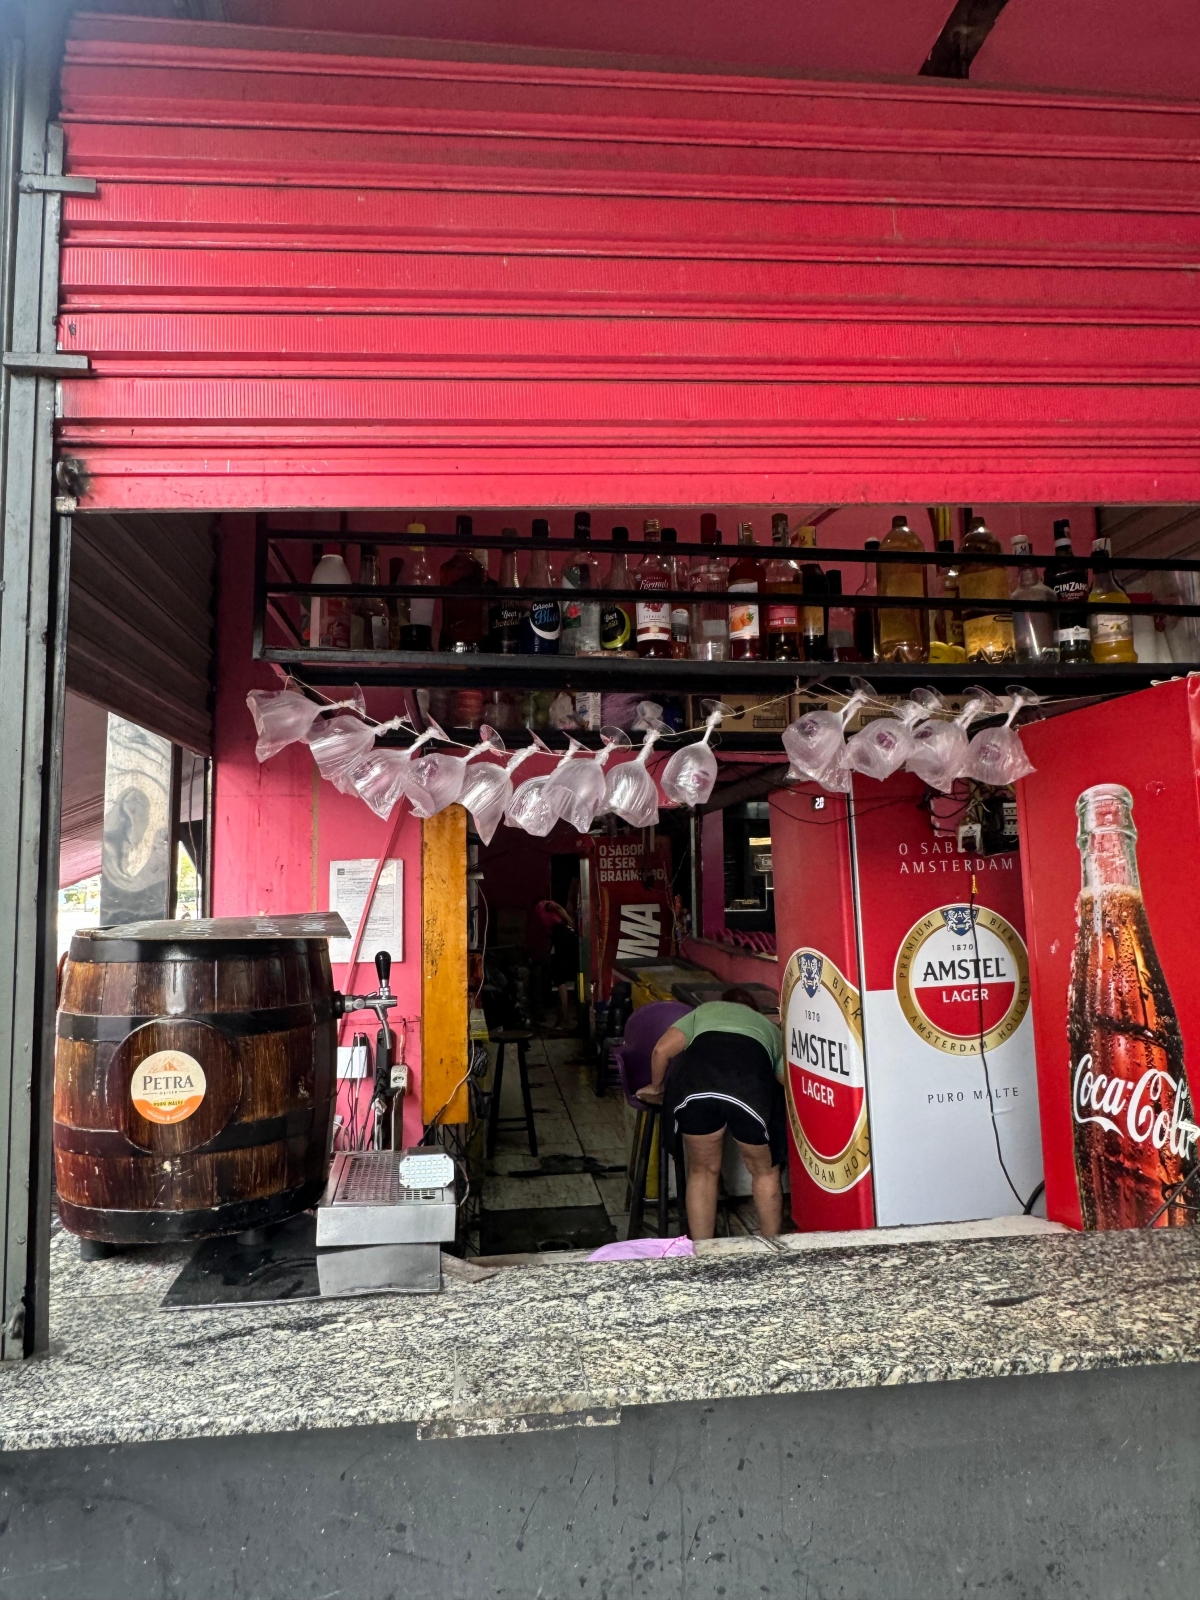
<point>378,779</point>
<point>630,790</point>
<point>338,746</point>
<point>432,781</point>
<point>689,776</point>
<point>996,755</point>
<point>939,749</point>
<point>527,807</point>
<point>883,746</point>
<point>581,782</point>
<point>488,788</point>
<point>285,716</point>
<point>815,741</point>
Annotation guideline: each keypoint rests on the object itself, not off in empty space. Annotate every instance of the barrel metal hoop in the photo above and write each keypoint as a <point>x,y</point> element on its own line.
<point>236,1024</point>
<point>136,952</point>
<point>159,1227</point>
<point>292,1124</point>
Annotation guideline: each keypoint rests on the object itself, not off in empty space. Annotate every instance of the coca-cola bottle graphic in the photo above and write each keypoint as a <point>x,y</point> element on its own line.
<point>1134,1135</point>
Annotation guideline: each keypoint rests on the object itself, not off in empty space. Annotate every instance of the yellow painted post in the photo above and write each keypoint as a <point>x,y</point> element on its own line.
<point>444,966</point>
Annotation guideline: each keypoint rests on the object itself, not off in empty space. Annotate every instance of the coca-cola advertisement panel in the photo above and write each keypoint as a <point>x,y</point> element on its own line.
<point>1111,834</point>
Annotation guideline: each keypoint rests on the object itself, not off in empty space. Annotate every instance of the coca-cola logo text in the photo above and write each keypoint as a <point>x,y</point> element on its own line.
<point>1099,1098</point>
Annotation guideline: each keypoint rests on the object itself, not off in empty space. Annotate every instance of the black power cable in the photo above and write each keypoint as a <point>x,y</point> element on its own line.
<point>1025,1205</point>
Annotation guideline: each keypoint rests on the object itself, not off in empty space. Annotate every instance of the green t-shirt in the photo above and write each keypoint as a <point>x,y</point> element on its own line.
<point>725,1016</point>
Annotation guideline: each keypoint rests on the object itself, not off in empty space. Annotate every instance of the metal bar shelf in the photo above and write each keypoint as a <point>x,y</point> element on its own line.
<point>701,597</point>
<point>437,669</point>
<point>832,555</point>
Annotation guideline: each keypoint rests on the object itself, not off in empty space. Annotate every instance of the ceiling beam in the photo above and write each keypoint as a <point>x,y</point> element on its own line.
<point>954,49</point>
<point>753,787</point>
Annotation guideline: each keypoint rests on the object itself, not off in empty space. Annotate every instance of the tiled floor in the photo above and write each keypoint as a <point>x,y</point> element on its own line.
<point>579,1136</point>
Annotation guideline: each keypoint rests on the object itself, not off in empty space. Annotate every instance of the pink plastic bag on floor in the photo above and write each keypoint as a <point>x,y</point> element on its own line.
<point>644,1249</point>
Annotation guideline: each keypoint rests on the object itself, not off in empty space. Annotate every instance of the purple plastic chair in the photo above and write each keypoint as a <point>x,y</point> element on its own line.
<point>644,1029</point>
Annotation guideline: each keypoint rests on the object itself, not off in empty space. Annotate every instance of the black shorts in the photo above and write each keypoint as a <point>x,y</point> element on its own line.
<point>727,1080</point>
<point>706,1114</point>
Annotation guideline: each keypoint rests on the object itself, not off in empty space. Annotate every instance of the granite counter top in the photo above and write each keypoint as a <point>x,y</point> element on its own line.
<point>571,1343</point>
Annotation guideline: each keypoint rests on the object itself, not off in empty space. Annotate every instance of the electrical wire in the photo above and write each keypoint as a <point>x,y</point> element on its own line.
<point>1025,1205</point>
<point>482,946</point>
<point>431,1125</point>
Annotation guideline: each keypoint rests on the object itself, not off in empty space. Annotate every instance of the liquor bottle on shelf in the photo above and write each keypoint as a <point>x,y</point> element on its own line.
<point>369,620</point>
<point>866,618</point>
<point>782,614</point>
<point>745,578</point>
<point>900,632</point>
<point>946,623</point>
<point>681,617</point>
<point>330,615</point>
<point>1032,630</point>
<point>1111,631</point>
<point>464,622</point>
<point>417,632</point>
<point>653,616</point>
<point>398,607</point>
<point>815,623</point>
<point>616,622</point>
<point>316,550</point>
<point>507,611</point>
<point>578,572</point>
<point>841,621</point>
<point>710,575</point>
<point>541,624</point>
<point>987,627</point>
<point>1069,581</point>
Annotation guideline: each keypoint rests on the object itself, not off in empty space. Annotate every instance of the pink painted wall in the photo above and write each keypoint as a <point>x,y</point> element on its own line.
<point>732,966</point>
<point>712,873</point>
<point>278,825</point>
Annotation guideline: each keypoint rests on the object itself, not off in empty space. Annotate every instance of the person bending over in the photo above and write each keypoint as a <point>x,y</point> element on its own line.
<point>720,1068</point>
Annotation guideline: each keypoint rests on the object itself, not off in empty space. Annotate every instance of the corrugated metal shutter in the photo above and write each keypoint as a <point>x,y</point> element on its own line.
<point>140,621</point>
<point>331,279</point>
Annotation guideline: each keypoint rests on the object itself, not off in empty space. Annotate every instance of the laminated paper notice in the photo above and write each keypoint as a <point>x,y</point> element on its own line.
<point>348,885</point>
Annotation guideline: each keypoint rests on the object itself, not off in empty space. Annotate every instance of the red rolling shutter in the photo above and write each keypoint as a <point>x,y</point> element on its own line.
<point>327,279</point>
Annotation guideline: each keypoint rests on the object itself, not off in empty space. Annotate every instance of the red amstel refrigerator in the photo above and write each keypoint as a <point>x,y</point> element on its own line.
<point>905,1006</point>
<point>1110,830</point>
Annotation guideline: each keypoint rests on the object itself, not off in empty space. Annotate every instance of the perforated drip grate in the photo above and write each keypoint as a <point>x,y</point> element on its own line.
<point>368,1178</point>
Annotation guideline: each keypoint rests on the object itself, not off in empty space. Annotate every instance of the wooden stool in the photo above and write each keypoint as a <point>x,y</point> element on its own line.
<point>504,1037</point>
<point>649,1118</point>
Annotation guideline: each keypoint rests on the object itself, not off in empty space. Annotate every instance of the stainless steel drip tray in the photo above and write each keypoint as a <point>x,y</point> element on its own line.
<point>368,1202</point>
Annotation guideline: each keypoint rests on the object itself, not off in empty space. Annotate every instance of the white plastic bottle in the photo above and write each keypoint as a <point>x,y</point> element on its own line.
<point>329,616</point>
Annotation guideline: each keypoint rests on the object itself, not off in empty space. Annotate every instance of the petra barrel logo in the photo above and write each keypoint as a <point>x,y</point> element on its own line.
<point>824,1081</point>
<point>962,972</point>
<point>168,1086</point>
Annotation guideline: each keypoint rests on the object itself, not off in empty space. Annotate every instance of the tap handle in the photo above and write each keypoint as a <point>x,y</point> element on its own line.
<point>383,967</point>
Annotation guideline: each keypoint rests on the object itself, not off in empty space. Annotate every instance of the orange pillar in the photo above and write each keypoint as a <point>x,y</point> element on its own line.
<point>444,966</point>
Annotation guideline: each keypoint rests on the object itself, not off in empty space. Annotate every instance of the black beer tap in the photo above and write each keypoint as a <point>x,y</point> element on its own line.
<point>380,1002</point>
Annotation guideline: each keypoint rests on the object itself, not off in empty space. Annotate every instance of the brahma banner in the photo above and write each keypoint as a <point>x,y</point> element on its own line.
<point>632,904</point>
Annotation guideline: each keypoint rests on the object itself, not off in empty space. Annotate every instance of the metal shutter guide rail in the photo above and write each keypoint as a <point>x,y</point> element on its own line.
<point>51,364</point>
<point>55,183</point>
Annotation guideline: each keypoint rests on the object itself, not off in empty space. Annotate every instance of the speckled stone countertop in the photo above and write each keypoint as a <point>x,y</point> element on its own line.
<point>571,1343</point>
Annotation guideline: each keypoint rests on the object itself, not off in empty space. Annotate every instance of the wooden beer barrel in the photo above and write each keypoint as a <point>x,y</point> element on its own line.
<point>194,1084</point>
